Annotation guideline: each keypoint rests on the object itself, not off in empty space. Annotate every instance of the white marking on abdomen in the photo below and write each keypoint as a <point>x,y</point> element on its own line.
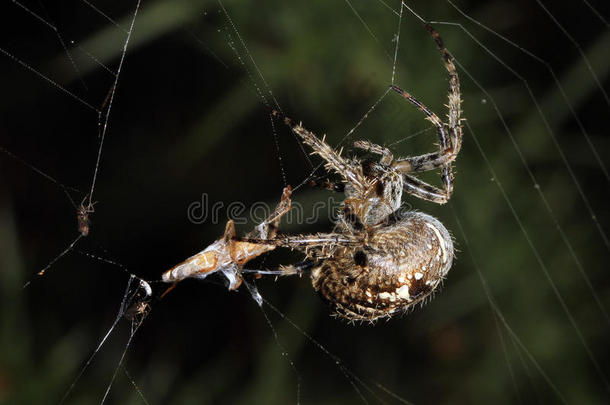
<point>441,241</point>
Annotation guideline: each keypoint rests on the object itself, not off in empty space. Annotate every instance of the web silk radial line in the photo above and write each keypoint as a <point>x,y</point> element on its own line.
<point>55,259</point>
<point>420,18</point>
<point>412,136</point>
<point>547,65</point>
<point>258,90</point>
<point>266,104</point>
<point>59,37</point>
<point>316,168</point>
<point>125,302</point>
<point>545,201</point>
<point>135,386</point>
<point>386,5</point>
<point>550,132</point>
<point>597,13</point>
<point>59,256</point>
<point>397,37</point>
<point>48,79</point>
<point>100,12</point>
<point>393,395</point>
<point>107,115</point>
<point>496,318</point>
<point>352,378</point>
<point>361,120</point>
<point>135,325</point>
<point>253,290</point>
<point>64,45</point>
<point>277,149</point>
<point>541,194</point>
<point>207,48</point>
<point>65,189</point>
<point>143,284</point>
<point>347,135</point>
<point>541,263</point>
<point>96,60</point>
<point>369,30</point>
<point>531,380</point>
<point>36,170</point>
<point>509,366</point>
<point>579,48</point>
<point>496,309</point>
<point>243,43</point>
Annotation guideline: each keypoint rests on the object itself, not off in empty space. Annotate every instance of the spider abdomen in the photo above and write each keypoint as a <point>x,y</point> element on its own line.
<point>400,265</point>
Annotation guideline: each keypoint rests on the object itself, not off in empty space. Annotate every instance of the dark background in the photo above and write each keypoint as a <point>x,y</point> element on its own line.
<point>187,118</point>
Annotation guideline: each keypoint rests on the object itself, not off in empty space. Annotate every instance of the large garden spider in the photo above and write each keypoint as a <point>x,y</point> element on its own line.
<point>375,262</point>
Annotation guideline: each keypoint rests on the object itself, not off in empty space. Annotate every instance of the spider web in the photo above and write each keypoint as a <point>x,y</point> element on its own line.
<point>141,108</point>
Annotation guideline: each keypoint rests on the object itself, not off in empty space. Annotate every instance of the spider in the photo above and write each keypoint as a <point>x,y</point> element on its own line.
<point>376,262</point>
<point>82,216</point>
<point>137,312</point>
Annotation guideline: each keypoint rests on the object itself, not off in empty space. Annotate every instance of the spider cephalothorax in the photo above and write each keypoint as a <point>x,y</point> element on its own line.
<point>376,262</point>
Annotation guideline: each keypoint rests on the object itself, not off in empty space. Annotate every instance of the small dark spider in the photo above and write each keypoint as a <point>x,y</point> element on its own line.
<point>137,311</point>
<point>82,216</point>
<point>375,263</point>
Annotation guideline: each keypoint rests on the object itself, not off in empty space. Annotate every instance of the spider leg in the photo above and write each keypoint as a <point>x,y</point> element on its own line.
<point>426,162</point>
<point>298,268</point>
<point>449,145</point>
<point>242,252</point>
<point>315,246</point>
<point>454,106</point>
<point>445,155</point>
<point>325,183</point>
<point>455,100</point>
<point>430,161</point>
<point>425,191</point>
<point>302,242</point>
<point>333,159</point>
<point>269,227</point>
<point>386,154</point>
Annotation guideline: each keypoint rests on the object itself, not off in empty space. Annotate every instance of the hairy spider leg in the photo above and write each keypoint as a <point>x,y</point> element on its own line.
<point>302,242</point>
<point>269,227</point>
<point>454,103</point>
<point>429,161</point>
<point>334,161</point>
<point>449,145</point>
<point>386,155</point>
<point>325,183</point>
<point>455,100</point>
